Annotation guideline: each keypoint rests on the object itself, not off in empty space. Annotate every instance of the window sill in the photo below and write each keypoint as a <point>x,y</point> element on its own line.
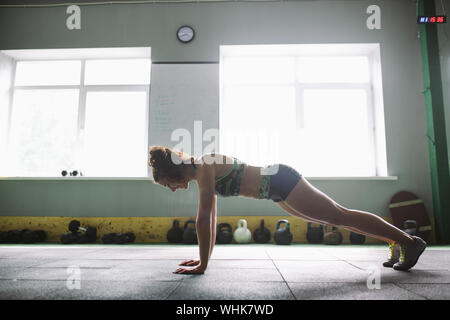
<point>384,178</point>
<point>74,178</point>
<point>380,178</point>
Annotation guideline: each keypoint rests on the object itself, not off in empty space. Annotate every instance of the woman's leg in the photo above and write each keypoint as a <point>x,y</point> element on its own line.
<point>290,210</point>
<point>315,205</point>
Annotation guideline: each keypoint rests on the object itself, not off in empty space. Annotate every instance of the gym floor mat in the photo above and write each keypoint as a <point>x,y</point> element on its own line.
<point>268,271</point>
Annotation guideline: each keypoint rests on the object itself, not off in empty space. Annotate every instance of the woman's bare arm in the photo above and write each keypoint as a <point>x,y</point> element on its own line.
<point>213,224</point>
<point>206,182</point>
<point>194,262</point>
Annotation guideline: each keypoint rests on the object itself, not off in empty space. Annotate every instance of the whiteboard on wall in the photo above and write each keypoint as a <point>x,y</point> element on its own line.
<point>181,94</point>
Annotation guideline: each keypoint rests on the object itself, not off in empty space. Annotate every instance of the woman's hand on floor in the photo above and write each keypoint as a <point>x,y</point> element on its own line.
<point>190,263</point>
<point>197,270</point>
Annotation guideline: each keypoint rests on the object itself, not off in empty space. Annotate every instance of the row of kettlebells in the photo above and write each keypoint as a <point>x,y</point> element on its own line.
<point>225,234</point>
<point>242,234</point>
<point>321,234</point>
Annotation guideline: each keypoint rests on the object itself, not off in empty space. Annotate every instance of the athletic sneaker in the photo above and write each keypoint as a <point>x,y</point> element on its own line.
<point>410,254</point>
<point>393,256</point>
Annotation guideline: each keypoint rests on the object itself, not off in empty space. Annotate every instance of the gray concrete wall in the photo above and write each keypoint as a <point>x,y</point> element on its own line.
<point>227,24</point>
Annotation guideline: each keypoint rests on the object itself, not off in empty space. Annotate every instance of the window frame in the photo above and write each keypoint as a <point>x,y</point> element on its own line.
<point>83,90</point>
<point>300,87</point>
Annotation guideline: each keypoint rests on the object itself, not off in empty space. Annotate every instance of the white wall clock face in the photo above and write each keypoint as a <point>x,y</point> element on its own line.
<point>185,34</point>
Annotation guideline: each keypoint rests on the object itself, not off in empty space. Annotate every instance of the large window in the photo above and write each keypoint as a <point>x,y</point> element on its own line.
<point>86,113</point>
<point>308,106</point>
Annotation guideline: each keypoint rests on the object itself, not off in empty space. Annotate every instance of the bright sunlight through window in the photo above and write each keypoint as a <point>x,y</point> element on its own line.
<point>308,106</point>
<point>87,114</point>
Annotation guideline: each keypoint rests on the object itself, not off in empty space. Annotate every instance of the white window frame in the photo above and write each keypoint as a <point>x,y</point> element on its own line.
<point>83,91</point>
<point>376,128</point>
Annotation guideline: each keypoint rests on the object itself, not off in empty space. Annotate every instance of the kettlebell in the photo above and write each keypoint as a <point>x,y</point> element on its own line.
<point>283,236</point>
<point>356,238</point>
<point>107,238</point>
<point>118,238</point>
<point>14,236</point>
<point>332,237</point>
<point>224,233</point>
<point>411,227</point>
<point>175,234</point>
<point>189,234</point>
<point>314,234</point>
<point>242,234</point>
<point>29,236</point>
<point>261,234</point>
<point>69,237</point>
<point>3,236</point>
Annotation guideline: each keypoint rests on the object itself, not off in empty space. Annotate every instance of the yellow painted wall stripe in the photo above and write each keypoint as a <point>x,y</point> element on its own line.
<point>150,229</point>
<point>405,203</point>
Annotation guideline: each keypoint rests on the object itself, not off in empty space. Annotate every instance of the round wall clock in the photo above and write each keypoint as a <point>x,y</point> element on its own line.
<point>185,34</point>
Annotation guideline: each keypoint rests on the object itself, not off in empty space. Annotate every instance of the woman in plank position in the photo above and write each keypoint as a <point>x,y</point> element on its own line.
<point>227,176</point>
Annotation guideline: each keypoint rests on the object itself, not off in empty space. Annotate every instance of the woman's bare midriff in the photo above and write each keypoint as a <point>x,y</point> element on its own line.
<point>251,177</point>
<point>251,181</point>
